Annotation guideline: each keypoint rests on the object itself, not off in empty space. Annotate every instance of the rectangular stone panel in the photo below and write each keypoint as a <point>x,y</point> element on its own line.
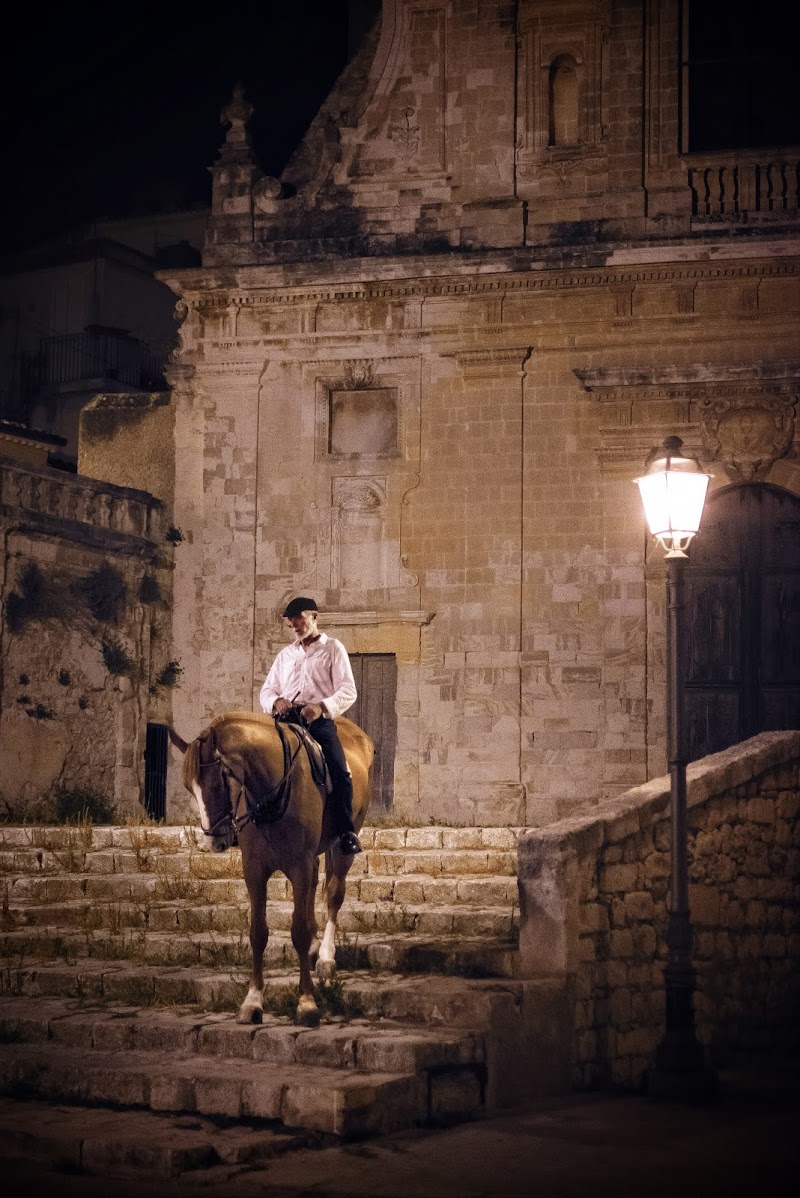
<point>363,422</point>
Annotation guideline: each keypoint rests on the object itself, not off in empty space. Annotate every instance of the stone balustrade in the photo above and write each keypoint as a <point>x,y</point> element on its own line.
<point>745,187</point>
<point>56,495</point>
<point>593,896</point>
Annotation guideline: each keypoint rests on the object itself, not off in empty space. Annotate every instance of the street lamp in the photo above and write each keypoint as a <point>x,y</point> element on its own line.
<point>673,492</point>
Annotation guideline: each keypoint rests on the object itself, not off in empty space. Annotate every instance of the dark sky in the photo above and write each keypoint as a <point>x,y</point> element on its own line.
<point>111,109</point>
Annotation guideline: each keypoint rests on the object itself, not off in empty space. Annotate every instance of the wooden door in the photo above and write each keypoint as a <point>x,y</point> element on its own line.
<point>742,666</point>
<point>375,711</point>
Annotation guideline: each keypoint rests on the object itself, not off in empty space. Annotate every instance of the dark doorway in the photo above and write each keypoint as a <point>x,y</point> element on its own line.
<point>155,771</point>
<point>374,711</point>
<point>743,619</point>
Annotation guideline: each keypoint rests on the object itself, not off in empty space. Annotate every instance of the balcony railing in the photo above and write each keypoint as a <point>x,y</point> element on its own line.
<point>79,357</point>
<point>756,188</point>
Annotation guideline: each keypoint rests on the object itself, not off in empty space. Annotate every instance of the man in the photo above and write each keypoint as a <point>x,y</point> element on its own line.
<point>315,675</point>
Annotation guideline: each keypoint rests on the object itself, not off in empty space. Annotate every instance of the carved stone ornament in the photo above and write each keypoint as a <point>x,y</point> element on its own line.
<point>405,133</point>
<point>358,494</point>
<point>267,193</point>
<point>359,373</point>
<point>747,434</point>
<point>235,117</point>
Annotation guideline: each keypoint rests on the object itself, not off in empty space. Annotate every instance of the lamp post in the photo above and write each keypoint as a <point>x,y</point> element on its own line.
<point>673,492</point>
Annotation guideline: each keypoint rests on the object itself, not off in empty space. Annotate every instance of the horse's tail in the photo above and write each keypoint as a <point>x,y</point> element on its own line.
<point>177,741</point>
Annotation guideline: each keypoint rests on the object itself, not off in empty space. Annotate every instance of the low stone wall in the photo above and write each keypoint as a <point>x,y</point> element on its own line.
<point>593,896</point>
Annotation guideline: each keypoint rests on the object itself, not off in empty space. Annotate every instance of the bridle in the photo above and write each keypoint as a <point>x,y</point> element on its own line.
<point>229,822</point>
<point>227,816</point>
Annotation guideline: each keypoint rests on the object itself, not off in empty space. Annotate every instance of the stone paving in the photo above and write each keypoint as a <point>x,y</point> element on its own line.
<point>607,1145</point>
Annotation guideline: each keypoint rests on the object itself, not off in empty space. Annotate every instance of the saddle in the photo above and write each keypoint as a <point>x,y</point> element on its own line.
<point>316,758</point>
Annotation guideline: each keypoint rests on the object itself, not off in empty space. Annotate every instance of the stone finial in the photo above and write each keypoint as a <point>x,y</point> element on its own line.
<point>235,115</point>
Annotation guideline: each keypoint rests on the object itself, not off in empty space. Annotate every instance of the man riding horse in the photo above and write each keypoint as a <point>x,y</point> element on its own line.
<point>314,676</point>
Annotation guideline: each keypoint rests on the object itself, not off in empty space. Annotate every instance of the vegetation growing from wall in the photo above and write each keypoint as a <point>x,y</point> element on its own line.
<point>116,658</point>
<point>82,806</point>
<point>36,597</point>
<point>168,676</point>
<point>149,590</point>
<point>103,592</point>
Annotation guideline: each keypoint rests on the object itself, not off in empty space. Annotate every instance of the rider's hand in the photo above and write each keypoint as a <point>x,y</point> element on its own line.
<point>281,706</point>
<point>311,712</point>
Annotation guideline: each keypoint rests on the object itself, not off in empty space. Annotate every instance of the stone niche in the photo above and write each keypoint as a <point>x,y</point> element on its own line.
<point>358,542</point>
<point>363,422</point>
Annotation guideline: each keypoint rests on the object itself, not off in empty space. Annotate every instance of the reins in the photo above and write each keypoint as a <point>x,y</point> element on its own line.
<point>278,797</point>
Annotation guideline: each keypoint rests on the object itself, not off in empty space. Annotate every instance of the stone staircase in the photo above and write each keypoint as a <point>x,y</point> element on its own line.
<point>125,957</point>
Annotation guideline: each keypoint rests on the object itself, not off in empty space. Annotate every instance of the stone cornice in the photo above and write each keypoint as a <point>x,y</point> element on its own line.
<point>251,287</point>
<point>489,363</point>
<point>607,383</point>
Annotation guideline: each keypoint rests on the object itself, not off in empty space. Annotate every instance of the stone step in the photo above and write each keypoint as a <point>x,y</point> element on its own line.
<point>141,837</point>
<point>340,1102</point>
<point>378,1046</point>
<point>201,864</point>
<point>224,918</point>
<point>481,890</point>
<point>402,952</point>
<point>133,1143</point>
<point>425,999</point>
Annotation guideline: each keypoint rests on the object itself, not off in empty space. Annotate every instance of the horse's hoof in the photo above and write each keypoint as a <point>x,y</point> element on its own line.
<point>307,1013</point>
<point>250,1015</point>
<point>326,970</point>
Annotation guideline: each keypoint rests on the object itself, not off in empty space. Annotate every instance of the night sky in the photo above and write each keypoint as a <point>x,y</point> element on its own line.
<point>113,109</point>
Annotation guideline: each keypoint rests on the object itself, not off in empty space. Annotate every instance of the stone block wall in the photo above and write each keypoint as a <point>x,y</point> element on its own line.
<point>84,634</point>
<point>594,893</point>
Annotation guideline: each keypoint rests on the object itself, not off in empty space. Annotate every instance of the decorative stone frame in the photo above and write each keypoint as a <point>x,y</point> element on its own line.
<point>544,40</point>
<point>373,375</point>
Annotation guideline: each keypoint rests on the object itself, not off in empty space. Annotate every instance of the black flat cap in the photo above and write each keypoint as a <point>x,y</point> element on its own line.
<point>300,604</point>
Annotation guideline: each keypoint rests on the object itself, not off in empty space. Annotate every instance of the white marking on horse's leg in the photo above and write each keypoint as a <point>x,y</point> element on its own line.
<point>327,951</point>
<point>252,1008</point>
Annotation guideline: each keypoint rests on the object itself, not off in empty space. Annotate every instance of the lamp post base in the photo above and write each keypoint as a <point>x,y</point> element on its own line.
<point>682,1072</point>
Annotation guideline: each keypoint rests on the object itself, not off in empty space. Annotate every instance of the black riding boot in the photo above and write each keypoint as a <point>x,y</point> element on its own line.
<point>324,732</point>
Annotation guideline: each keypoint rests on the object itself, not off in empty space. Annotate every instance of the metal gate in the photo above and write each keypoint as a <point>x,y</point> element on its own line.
<point>374,711</point>
<point>155,771</point>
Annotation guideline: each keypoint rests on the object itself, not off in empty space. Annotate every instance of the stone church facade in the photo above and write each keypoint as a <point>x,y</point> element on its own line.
<point>419,372</point>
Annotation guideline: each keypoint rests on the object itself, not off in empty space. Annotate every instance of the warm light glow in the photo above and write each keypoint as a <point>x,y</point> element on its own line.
<point>673,494</point>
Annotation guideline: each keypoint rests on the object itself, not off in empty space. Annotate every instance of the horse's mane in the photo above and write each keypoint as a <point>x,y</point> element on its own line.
<point>191,764</point>
<point>254,717</point>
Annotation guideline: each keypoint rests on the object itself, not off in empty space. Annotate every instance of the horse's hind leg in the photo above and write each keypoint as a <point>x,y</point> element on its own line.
<point>303,929</point>
<point>337,866</point>
<point>252,1009</point>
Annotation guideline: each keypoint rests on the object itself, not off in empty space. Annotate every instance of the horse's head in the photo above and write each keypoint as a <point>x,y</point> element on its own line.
<point>205,776</point>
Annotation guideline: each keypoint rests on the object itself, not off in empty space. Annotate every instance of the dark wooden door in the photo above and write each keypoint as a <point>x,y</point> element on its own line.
<point>375,711</point>
<point>742,673</point>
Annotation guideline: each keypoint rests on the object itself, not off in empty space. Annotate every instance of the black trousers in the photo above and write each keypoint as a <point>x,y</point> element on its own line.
<point>325,734</point>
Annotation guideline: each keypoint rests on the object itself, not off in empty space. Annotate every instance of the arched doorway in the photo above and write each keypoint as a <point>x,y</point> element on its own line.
<point>742,672</point>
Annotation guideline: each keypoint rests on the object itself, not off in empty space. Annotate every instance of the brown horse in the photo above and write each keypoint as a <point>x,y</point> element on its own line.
<point>244,763</point>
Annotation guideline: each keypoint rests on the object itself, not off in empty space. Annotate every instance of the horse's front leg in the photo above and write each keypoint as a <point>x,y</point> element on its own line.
<point>303,931</point>
<point>252,1009</point>
<point>337,866</point>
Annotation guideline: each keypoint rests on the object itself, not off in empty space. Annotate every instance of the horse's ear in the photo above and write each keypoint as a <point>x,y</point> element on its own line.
<point>177,741</point>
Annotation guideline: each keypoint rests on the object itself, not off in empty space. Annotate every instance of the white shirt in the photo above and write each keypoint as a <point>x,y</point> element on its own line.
<point>320,673</point>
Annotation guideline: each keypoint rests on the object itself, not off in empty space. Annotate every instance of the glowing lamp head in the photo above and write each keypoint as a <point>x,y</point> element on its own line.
<point>673,492</point>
